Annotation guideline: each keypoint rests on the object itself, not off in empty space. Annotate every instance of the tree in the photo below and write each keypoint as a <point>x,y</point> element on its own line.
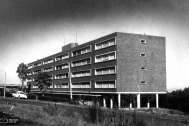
<point>22,71</point>
<point>28,89</point>
<point>43,81</point>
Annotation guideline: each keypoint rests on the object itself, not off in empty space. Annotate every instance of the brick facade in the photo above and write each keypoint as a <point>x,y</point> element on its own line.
<point>128,77</point>
<point>129,63</point>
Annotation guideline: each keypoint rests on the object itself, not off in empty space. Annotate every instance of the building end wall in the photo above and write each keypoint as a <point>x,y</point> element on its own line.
<point>129,63</point>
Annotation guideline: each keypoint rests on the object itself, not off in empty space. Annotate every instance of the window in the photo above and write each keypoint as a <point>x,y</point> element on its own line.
<point>105,57</point>
<point>143,41</point>
<point>48,61</point>
<point>143,55</point>
<point>33,79</point>
<point>61,66</point>
<point>61,76</point>
<point>81,62</point>
<point>143,68</point>
<point>81,51</point>
<point>143,82</point>
<point>62,57</point>
<point>81,73</point>
<point>29,73</point>
<point>34,86</point>
<point>105,84</point>
<point>51,77</point>
<point>62,85</point>
<point>29,79</point>
<point>36,72</point>
<point>106,70</point>
<point>51,86</point>
<point>37,64</point>
<point>81,85</point>
<point>105,44</point>
<point>48,69</point>
<point>30,66</point>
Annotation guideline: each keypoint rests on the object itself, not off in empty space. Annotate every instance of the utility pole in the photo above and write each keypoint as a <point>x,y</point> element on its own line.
<point>64,41</point>
<point>5,83</point>
<point>70,81</point>
<point>76,36</point>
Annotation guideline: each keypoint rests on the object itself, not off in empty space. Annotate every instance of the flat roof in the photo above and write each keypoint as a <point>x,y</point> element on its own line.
<point>11,85</point>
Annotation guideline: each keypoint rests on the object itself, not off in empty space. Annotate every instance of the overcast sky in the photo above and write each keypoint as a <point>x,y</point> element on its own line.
<point>34,29</point>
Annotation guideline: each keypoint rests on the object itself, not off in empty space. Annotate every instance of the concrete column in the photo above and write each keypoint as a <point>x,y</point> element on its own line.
<point>130,100</point>
<point>130,105</point>
<point>138,101</point>
<point>157,101</point>
<point>104,101</point>
<point>119,100</point>
<point>148,104</point>
<point>111,102</point>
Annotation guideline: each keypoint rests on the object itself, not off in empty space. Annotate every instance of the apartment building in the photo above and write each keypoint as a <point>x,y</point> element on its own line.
<point>110,67</point>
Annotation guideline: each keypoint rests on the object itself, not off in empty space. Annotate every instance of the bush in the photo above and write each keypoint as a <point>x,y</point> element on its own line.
<point>58,99</point>
<point>8,94</point>
<point>53,99</point>
<point>52,115</point>
<point>50,109</point>
<point>72,102</point>
<point>44,98</point>
<point>96,114</point>
<point>136,121</point>
<point>121,118</point>
<point>31,96</point>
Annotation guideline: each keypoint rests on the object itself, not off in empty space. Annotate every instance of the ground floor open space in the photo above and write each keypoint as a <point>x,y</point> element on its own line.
<point>116,100</point>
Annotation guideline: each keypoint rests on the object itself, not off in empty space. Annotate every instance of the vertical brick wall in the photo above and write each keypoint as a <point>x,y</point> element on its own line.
<point>129,62</point>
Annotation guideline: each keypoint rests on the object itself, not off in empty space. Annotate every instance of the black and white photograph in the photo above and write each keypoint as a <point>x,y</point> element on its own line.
<point>94,62</point>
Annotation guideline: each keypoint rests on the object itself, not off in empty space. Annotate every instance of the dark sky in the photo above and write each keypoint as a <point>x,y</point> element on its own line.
<point>33,29</point>
<point>23,13</point>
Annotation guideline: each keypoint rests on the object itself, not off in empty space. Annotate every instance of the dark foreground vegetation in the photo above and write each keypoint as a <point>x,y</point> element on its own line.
<point>52,115</point>
<point>178,100</point>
